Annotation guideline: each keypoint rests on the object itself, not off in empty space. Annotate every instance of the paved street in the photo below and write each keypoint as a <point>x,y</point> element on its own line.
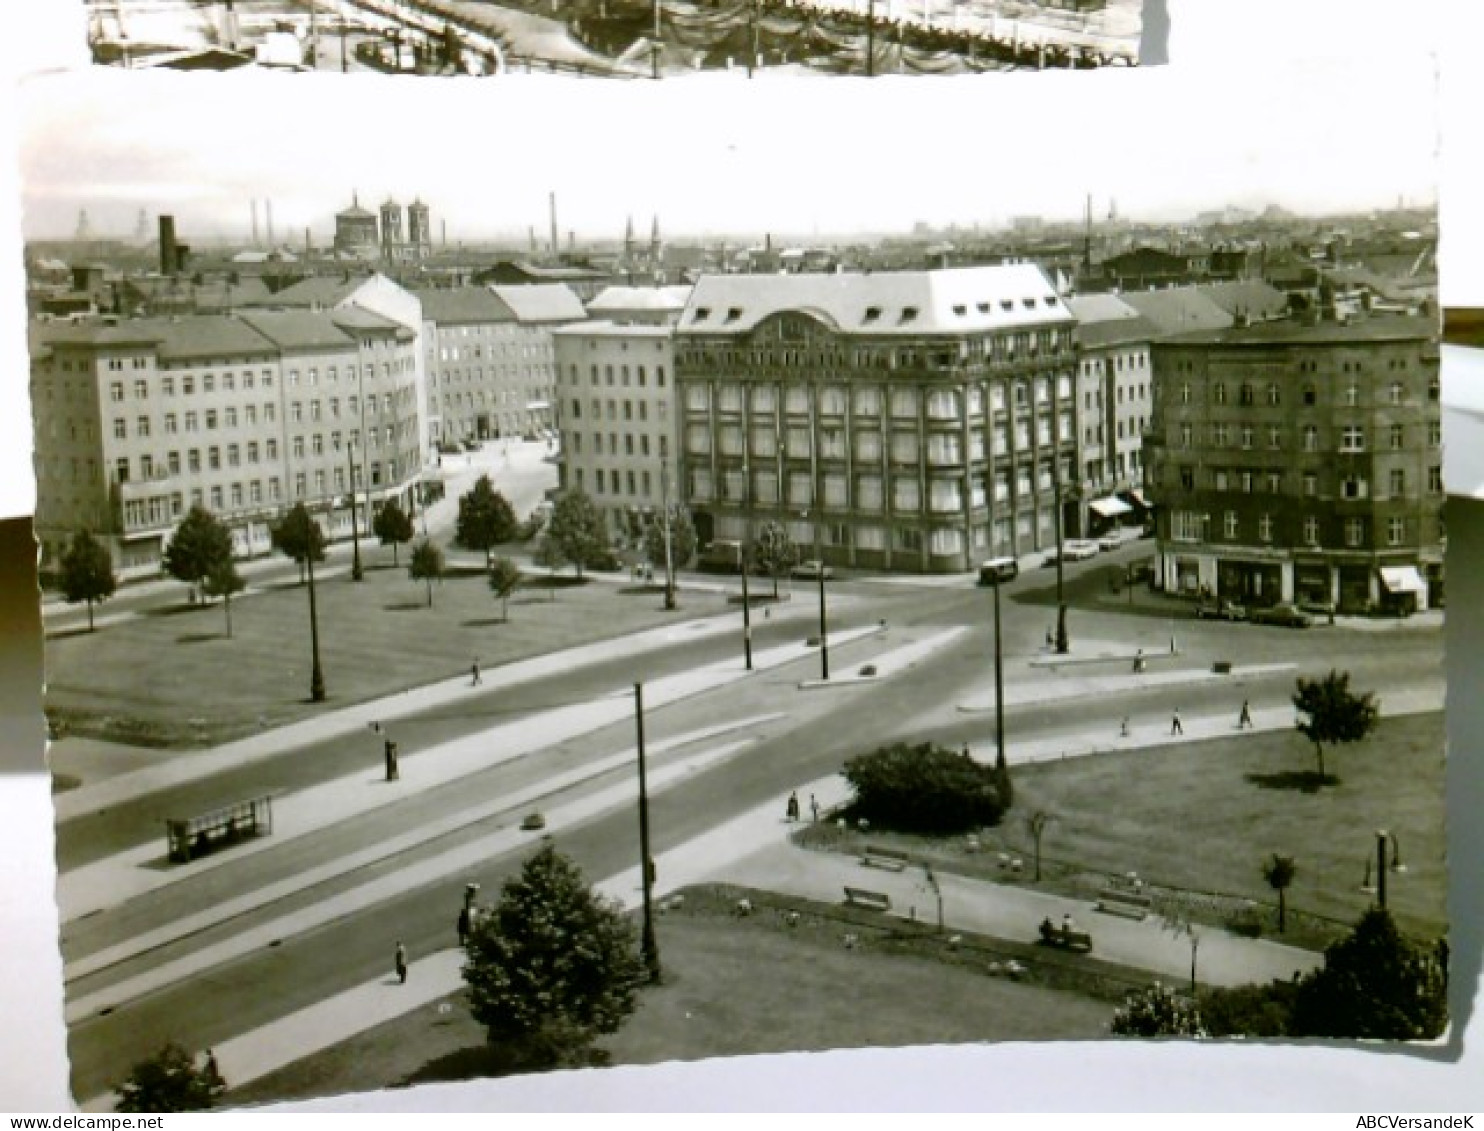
<point>276,947</point>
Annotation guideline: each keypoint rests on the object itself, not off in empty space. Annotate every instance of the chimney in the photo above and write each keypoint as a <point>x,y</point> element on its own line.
<point>556,247</point>
<point>268,206</point>
<point>255,222</point>
<point>168,263</point>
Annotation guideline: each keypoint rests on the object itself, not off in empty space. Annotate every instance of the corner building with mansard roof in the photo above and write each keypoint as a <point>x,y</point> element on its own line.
<point>917,422</point>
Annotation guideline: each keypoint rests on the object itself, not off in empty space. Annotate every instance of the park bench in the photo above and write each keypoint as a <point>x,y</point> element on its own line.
<point>1124,903</point>
<point>1065,937</point>
<point>189,837</point>
<point>886,858</point>
<point>875,900</point>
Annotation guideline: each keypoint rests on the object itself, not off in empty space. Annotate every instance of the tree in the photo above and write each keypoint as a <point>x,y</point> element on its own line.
<point>298,536</point>
<point>774,552</point>
<point>426,565</point>
<point>577,529</point>
<point>171,1081</point>
<point>486,519</point>
<point>198,544</point>
<point>549,557</point>
<point>1279,873</point>
<point>682,539</point>
<point>553,966</point>
<point>223,581</point>
<point>1157,1012</point>
<point>1333,714</point>
<point>923,788</point>
<point>87,572</point>
<point>1036,823</point>
<point>504,577</point>
<point>1375,984</point>
<point>1249,1011</point>
<point>393,526</point>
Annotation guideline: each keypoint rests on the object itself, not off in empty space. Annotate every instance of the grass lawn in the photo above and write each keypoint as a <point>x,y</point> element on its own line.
<point>732,987</point>
<point>171,677</point>
<point>1204,816</point>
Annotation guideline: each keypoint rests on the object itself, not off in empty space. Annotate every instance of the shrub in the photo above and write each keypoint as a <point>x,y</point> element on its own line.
<point>924,788</point>
<point>1249,1011</point>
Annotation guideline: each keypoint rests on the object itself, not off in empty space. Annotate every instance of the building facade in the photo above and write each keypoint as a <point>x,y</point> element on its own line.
<point>1300,461</point>
<point>137,422</point>
<point>489,358</point>
<point>913,421</point>
<point>1115,391</point>
<point>616,406</point>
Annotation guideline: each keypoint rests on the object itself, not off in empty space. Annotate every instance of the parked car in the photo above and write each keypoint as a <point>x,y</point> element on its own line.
<point>1213,609</point>
<point>1080,549</point>
<point>812,570</point>
<point>1284,615</point>
<point>997,570</point>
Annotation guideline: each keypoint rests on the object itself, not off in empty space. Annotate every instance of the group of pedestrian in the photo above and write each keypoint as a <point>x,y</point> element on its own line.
<point>791,808</point>
<point>1244,720</point>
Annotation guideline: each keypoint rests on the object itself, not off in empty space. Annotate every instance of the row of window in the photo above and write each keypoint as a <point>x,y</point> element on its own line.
<point>160,509</point>
<point>641,376</point>
<point>1106,366</point>
<point>1351,486</point>
<point>1351,396</point>
<point>1005,348</point>
<point>575,440</point>
<point>1188,526</point>
<point>797,442</point>
<point>867,400</point>
<point>228,382</point>
<point>1352,437</point>
<point>234,455</point>
<point>869,491</point>
<point>629,408</point>
<point>228,417</point>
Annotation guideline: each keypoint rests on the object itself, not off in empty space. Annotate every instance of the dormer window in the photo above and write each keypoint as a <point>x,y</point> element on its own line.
<point>734,313</point>
<point>1028,303</point>
<point>909,313</point>
<point>872,313</point>
<point>960,310</point>
<point>702,313</point>
<point>983,308</point>
<point>1007,304</point>
<point>1049,300</point>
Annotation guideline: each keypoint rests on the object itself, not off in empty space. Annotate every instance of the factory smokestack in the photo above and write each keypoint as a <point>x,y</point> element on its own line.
<point>556,246</point>
<point>168,261</point>
<point>255,222</point>
<point>268,207</point>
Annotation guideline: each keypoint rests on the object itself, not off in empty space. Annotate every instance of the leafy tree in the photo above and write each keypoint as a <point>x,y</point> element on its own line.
<point>924,788</point>
<point>1333,714</point>
<point>553,966</point>
<point>298,536</point>
<point>1279,873</point>
<point>549,557</point>
<point>485,520</point>
<point>504,577</point>
<point>223,581</point>
<point>198,544</point>
<point>577,529</point>
<point>171,1081</point>
<point>393,526</point>
<point>774,551</point>
<point>682,539</point>
<point>87,572</point>
<point>1375,984</point>
<point>1157,1012</point>
<point>426,565</point>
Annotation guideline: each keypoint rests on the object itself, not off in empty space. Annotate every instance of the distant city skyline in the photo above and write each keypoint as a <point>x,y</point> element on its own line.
<point>714,154</point>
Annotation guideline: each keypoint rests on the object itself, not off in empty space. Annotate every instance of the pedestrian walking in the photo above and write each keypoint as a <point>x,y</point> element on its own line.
<point>399,959</point>
<point>1244,720</point>
<point>1123,728</point>
<point>1175,727</point>
<point>791,812</point>
<point>475,679</point>
<point>1139,661</point>
<point>813,809</point>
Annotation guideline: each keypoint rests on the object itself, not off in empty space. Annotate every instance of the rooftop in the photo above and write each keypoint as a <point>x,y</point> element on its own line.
<point>1370,328</point>
<point>890,303</point>
<point>541,302</point>
<point>454,306</point>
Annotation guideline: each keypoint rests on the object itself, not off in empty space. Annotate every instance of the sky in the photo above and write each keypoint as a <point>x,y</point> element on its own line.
<point>717,154</point>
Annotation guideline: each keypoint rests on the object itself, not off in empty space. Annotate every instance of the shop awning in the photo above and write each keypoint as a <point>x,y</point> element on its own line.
<point>1402,579</point>
<point>1109,508</point>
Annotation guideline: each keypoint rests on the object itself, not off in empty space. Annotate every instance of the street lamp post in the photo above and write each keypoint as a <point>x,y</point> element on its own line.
<point>316,674</point>
<point>649,947</point>
<point>1382,837</point>
<point>669,555</point>
<point>355,530</point>
<point>999,683</point>
<point>1061,604</point>
<point>824,637</point>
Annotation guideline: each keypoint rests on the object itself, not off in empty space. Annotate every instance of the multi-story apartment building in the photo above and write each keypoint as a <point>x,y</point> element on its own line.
<point>1300,460</point>
<point>489,359</point>
<point>1115,392</point>
<point>139,420</point>
<point>616,407</point>
<point>916,421</point>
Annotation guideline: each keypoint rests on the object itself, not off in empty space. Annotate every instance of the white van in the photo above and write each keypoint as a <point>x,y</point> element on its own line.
<point>997,570</point>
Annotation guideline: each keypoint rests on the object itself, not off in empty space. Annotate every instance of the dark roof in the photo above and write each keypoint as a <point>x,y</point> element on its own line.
<point>1178,310</point>
<point>189,336</point>
<point>1251,297</point>
<point>462,306</point>
<point>1291,331</point>
<point>299,330</point>
<point>318,290</point>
